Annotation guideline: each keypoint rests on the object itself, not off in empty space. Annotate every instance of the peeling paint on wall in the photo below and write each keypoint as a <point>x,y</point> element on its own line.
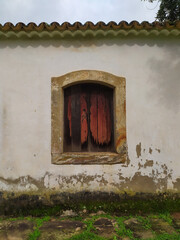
<point>150,150</point>
<point>158,150</point>
<point>148,163</point>
<point>138,150</point>
<point>80,182</point>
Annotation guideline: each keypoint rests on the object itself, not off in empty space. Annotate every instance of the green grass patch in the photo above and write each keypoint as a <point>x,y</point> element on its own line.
<point>166,236</point>
<point>90,232</point>
<point>145,222</point>
<point>38,223</point>
<point>166,217</point>
<point>15,219</point>
<point>121,228</point>
<point>34,235</point>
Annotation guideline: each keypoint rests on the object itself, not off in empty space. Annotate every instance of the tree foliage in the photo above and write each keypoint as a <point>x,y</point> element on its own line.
<point>169,10</point>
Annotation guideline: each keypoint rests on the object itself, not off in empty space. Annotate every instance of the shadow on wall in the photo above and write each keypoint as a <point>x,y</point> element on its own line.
<point>86,41</point>
<point>165,77</point>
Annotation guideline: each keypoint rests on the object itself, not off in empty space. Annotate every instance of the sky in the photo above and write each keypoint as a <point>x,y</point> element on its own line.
<point>76,10</point>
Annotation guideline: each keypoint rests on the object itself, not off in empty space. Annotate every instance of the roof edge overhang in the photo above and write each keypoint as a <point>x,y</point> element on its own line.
<point>89,29</point>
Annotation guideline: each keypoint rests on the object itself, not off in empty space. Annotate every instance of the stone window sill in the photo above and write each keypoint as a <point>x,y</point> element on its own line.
<point>87,158</point>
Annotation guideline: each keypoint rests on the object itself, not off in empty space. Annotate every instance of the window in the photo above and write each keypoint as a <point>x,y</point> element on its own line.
<point>88,118</point>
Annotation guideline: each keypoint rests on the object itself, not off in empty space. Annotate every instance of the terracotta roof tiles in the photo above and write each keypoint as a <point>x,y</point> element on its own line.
<point>9,30</point>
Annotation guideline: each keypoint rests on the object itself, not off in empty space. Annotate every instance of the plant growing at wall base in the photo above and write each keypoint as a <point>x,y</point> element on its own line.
<point>38,223</point>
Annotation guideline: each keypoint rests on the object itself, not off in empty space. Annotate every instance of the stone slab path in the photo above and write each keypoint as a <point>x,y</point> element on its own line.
<point>97,226</point>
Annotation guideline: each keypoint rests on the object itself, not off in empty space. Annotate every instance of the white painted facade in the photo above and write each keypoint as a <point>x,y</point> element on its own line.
<point>152,72</point>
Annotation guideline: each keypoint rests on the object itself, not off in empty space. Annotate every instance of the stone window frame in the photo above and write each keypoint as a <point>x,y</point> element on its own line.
<point>57,118</point>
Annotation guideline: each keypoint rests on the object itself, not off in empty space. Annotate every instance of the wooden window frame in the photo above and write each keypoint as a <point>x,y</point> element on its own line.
<point>57,118</point>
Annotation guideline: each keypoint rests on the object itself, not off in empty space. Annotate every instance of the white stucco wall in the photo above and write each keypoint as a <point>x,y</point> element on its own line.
<point>151,69</point>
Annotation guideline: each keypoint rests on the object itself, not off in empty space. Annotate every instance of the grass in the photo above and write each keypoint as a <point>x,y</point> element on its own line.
<point>166,217</point>
<point>34,235</point>
<point>121,228</point>
<point>15,219</point>
<point>166,236</point>
<point>38,223</point>
<point>145,222</point>
<point>89,232</point>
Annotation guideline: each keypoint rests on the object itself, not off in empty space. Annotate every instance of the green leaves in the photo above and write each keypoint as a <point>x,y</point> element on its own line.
<point>169,10</point>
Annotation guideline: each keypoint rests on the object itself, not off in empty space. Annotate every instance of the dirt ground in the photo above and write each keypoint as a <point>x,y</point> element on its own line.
<point>86,226</point>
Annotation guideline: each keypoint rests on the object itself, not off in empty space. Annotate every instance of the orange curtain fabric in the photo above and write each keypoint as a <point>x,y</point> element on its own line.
<point>100,119</point>
<point>84,120</point>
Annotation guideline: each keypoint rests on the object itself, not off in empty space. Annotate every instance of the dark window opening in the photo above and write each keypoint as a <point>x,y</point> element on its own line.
<point>88,118</point>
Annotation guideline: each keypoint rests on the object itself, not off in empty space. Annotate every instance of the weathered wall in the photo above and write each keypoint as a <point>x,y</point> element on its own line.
<point>151,68</point>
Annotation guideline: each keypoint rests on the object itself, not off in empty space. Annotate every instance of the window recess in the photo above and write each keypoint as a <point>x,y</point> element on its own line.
<point>88,118</point>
